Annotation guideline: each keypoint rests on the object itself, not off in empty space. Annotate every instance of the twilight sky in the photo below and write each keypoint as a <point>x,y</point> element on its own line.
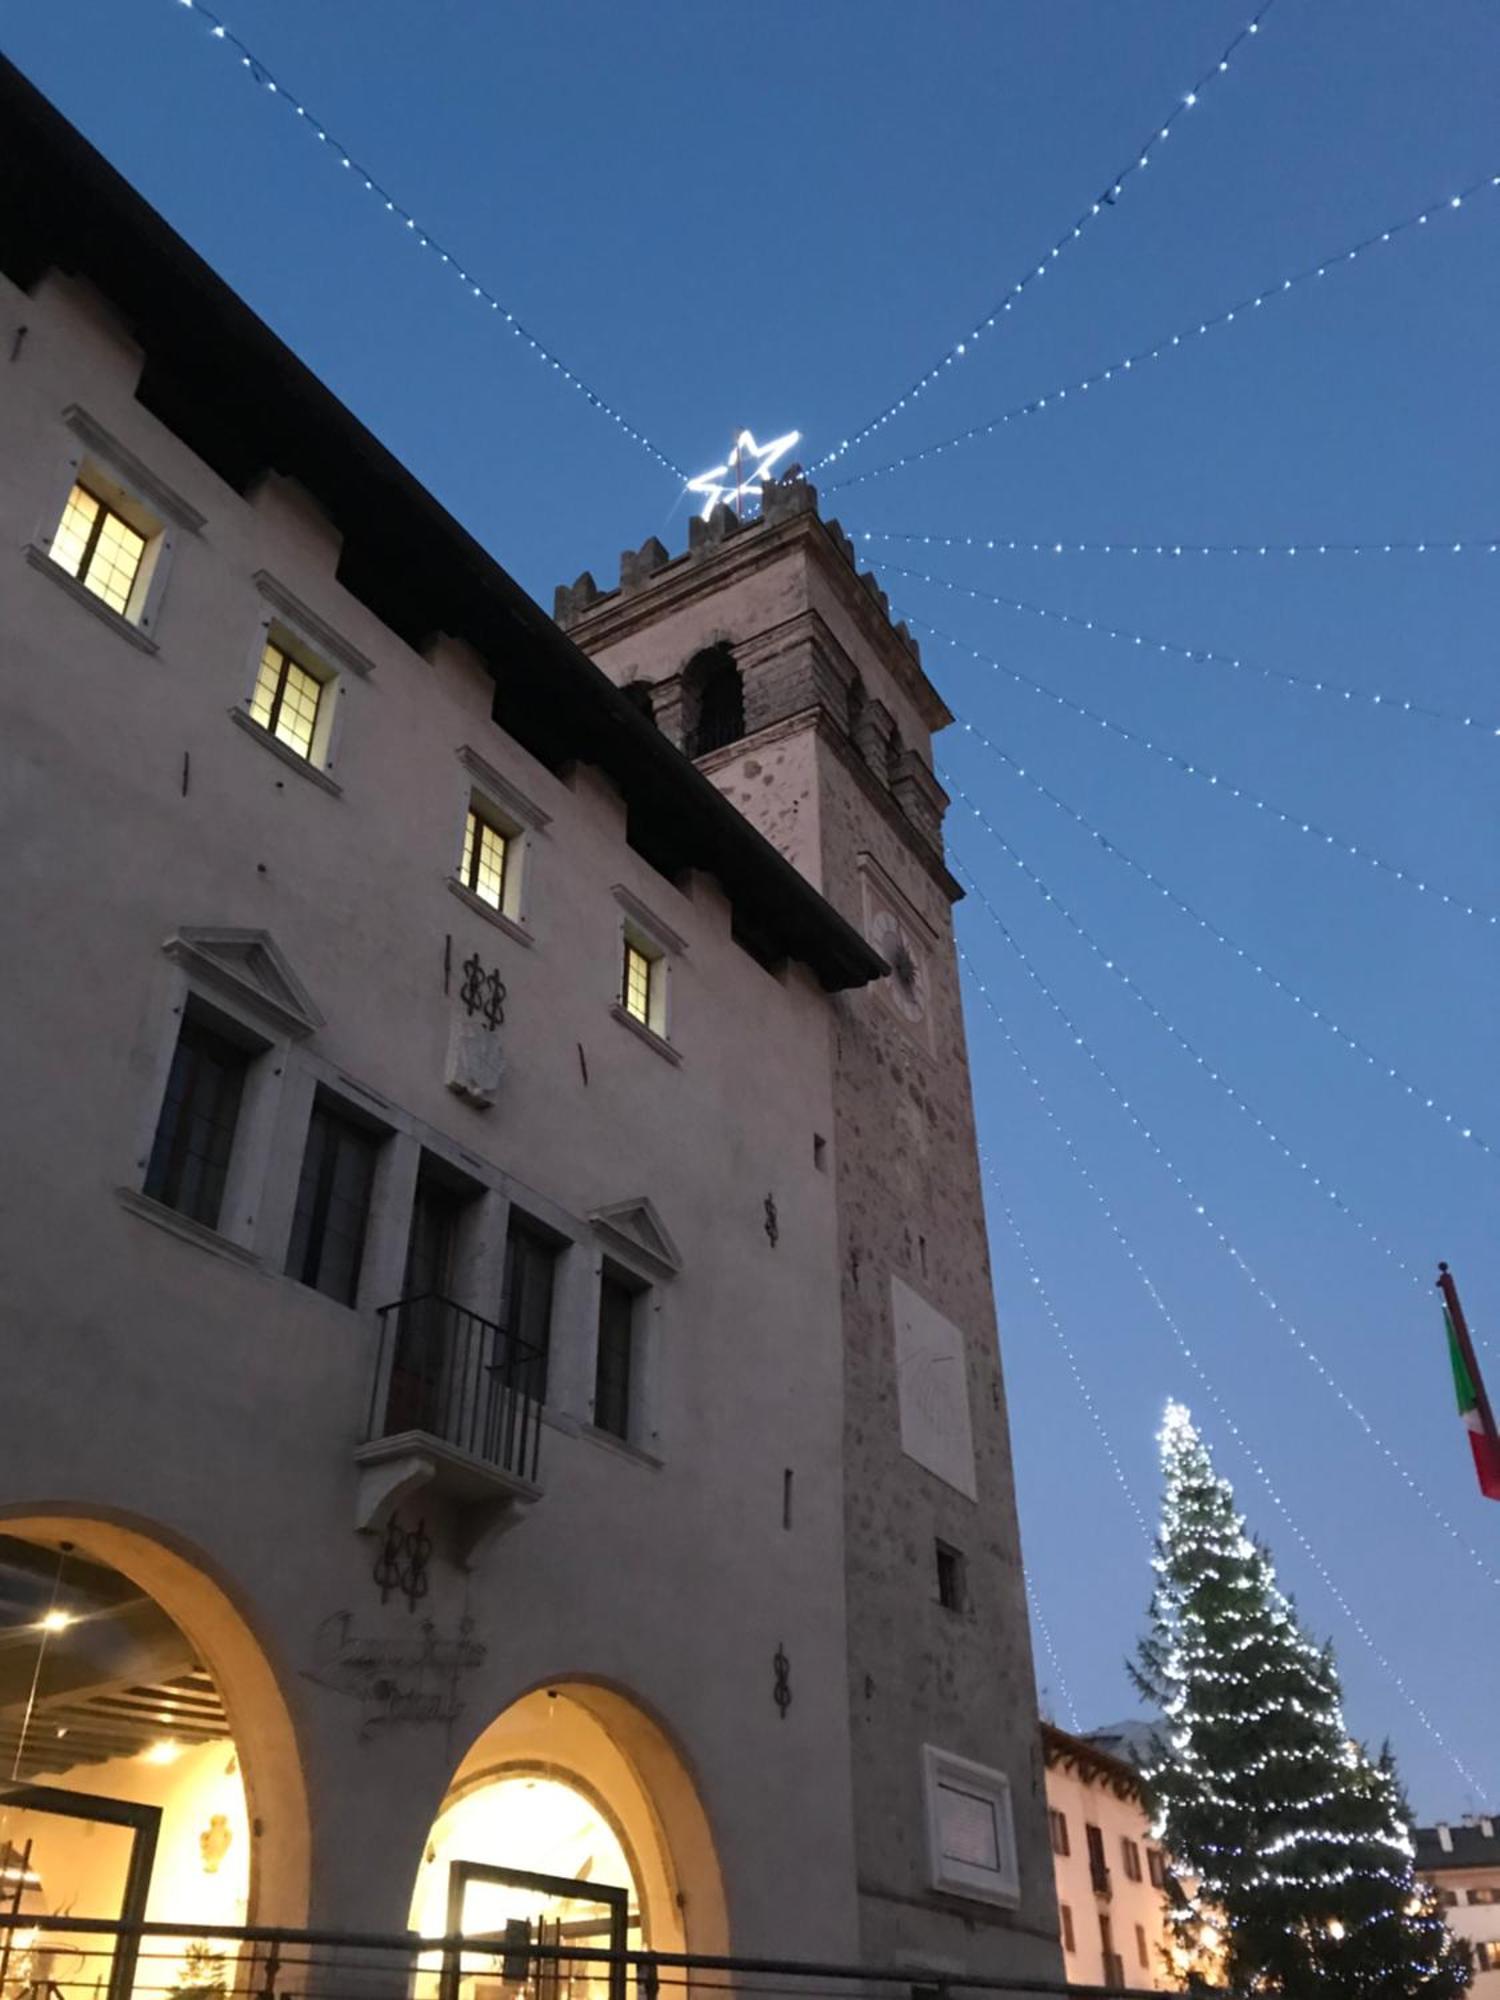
<point>782,216</point>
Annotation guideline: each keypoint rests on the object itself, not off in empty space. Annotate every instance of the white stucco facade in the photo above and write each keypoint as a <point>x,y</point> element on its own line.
<point>679,1610</point>
<point>1462,1863</point>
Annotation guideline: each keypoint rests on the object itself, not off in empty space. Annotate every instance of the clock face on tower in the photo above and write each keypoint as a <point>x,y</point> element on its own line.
<point>908,982</point>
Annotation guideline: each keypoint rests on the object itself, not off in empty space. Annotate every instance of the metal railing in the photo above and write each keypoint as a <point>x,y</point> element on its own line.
<point>82,1958</point>
<point>445,1371</point>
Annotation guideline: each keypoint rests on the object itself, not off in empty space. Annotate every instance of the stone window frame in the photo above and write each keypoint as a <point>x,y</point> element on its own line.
<point>194,978</point>
<point>523,825</point>
<point>620,1250</point>
<point>97,459</point>
<point>285,621</point>
<point>945,1770</point>
<point>648,933</point>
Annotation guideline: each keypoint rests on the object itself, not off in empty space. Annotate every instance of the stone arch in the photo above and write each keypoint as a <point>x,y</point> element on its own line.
<point>603,1744</point>
<point>203,1607</point>
<point>713,696</point>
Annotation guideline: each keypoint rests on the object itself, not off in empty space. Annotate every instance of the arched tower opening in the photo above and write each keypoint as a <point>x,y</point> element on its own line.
<point>714,701</point>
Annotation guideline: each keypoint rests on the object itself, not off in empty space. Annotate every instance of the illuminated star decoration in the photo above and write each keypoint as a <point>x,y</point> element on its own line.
<point>743,475</point>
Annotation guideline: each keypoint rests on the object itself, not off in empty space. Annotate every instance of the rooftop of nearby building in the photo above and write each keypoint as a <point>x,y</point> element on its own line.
<point>1131,1740</point>
<point>1090,1760</point>
<point>62,206</point>
<point>1472,1843</point>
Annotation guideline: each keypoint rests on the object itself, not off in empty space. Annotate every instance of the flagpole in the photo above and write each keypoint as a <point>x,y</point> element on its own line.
<point>1449,1291</point>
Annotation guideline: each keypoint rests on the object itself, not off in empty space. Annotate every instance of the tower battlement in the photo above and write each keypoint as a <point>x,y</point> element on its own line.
<point>781,500</point>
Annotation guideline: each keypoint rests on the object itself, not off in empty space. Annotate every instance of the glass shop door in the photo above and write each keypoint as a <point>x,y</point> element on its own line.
<point>68,1854</point>
<point>510,1913</point>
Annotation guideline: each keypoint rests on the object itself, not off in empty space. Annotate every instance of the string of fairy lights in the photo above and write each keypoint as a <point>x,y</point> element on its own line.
<point>1185,1348</point>
<point>1188,768</point>
<point>1111,192</point>
<point>1112,965</point>
<point>1054,1664</point>
<point>1052,546</point>
<point>1208,656</point>
<point>1453,1121</point>
<point>1168,343</point>
<point>1199,1207</point>
<point>419,234</point>
<point>1069,1353</point>
<point>503,315</point>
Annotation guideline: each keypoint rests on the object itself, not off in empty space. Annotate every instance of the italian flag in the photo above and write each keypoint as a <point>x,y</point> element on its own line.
<point>1482,1441</point>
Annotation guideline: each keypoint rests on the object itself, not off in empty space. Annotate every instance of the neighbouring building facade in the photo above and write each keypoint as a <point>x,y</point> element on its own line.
<point>1462,1862</point>
<point>502,1428</point>
<point>1112,1884</point>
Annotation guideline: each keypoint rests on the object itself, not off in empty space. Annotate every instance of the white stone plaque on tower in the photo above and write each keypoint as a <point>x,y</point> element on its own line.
<point>933,1389</point>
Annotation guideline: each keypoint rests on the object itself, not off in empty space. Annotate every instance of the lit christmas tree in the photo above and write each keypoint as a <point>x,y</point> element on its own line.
<point>1286,1840</point>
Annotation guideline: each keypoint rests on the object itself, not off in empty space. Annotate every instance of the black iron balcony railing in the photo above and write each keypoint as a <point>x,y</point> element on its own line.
<point>445,1372</point>
<point>1099,1875</point>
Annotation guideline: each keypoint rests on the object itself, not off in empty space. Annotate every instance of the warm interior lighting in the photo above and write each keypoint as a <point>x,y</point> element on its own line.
<point>1335,1928</point>
<point>94,545</point>
<point>56,1621</point>
<point>285,701</point>
<point>636,995</point>
<point>163,1751</point>
<point>520,1821</point>
<point>484,860</point>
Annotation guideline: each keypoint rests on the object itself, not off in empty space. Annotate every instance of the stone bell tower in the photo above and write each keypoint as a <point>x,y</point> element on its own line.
<point>774,664</point>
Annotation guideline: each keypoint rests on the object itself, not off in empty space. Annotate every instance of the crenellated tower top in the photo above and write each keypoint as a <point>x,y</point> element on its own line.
<point>763,628</point>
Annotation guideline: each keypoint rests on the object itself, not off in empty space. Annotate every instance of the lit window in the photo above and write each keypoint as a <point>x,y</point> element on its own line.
<point>483,869</point>
<point>1487,1957</point>
<point>639,992</point>
<point>286,700</point>
<point>102,551</point>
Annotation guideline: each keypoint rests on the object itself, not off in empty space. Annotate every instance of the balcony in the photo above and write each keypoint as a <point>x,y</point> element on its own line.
<point>455,1411</point>
<point>1099,1876</point>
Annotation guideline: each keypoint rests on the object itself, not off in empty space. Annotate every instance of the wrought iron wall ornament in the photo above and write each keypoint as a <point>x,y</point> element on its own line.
<point>781,1693</point>
<point>483,993</point>
<point>773,1225</point>
<point>402,1562</point>
<point>397,1682</point>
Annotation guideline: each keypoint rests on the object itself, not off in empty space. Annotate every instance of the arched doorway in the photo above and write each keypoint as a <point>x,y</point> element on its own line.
<point>147,1764</point>
<point>572,1820</point>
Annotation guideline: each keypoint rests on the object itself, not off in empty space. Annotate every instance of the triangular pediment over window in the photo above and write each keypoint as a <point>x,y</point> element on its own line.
<point>637,1231</point>
<point>248,966</point>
